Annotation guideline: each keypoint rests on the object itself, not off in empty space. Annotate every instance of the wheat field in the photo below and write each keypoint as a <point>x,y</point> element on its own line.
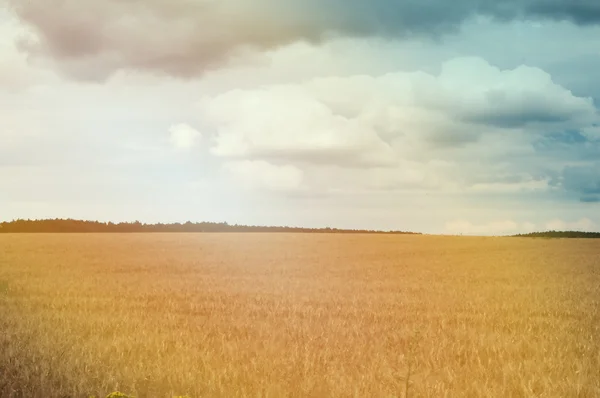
<point>298,315</point>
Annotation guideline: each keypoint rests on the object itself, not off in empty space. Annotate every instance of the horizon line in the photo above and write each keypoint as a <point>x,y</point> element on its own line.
<point>226,227</point>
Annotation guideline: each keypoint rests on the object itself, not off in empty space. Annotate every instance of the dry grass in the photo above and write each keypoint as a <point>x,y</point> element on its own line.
<point>298,315</point>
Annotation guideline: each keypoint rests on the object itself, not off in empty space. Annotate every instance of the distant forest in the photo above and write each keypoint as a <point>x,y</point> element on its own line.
<point>561,234</point>
<point>80,226</point>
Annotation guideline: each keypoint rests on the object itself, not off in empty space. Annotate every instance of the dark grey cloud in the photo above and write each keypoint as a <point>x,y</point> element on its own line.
<point>583,12</point>
<point>539,104</point>
<point>590,199</point>
<point>567,146</point>
<point>519,118</point>
<point>434,17</point>
<point>90,39</point>
<point>583,181</point>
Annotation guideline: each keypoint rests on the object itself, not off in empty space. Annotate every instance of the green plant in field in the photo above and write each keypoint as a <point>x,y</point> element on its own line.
<point>118,394</point>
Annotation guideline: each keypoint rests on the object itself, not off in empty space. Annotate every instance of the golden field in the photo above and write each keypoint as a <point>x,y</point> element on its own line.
<point>298,315</point>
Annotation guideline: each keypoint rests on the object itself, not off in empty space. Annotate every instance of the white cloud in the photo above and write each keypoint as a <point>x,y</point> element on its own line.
<point>183,137</point>
<point>592,133</point>
<point>409,129</point>
<point>17,73</point>
<point>583,224</point>
<point>528,184</point>
<point>286,122</point>
<point>261,174</point>
<point>501,227</point>
<point>477,91</point>
<point>13,72</point>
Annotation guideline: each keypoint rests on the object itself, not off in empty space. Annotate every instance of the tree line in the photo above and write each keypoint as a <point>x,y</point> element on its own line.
<point>561,234</point>
<point>82,226</point>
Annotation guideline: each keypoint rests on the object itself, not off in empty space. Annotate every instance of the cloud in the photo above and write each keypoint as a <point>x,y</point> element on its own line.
<point>501,227</point>
<point>287,123</point>
<point>90,39</point>
<point>372,132</point>
<point>509,227</point>
<point>583,181</point>
<point>520,97</point>
<point>590,199</point>
<point>584,224</point>
<point>581,12</point>
<point>513,184</point>
<point>183,137</point>
<point>17,73</point>
<point>405,129</point>
<point>263,175</point>
<point>14,75</point>
<point>592,133</point>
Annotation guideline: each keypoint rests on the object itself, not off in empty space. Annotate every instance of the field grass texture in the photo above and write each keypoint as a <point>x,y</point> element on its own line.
<point>298,315</point>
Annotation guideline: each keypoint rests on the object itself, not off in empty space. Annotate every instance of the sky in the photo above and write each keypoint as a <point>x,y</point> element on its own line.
<point>466,117</point>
